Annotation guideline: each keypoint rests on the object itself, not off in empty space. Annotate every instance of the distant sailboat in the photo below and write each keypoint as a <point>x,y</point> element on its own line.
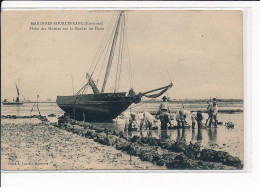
<point>101,106</point>
<point>16,101</point>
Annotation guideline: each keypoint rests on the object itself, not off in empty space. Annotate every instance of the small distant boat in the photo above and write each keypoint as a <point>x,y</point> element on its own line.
<point>12,103</point>
<point>16,102</point>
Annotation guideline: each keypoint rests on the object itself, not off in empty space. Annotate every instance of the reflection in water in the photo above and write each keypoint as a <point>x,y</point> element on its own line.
<point>141,133</point>
<point>178,135</point>
<point>203,136</point>
<point>212,133</point>
<point>150,134</point>
<point>164,134</point>
<point>129,134</point>
<point>183,136</point>
<point>145,133</point>
<point>199,136</point>
<point>18,110</point>
<point>193,138</point>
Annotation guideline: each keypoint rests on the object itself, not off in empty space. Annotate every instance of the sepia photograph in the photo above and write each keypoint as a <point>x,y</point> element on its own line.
<point>122,90</point>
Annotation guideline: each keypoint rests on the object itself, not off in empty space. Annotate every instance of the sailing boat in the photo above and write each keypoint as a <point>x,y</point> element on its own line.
<point>102,106</point>
<point>16,101</point>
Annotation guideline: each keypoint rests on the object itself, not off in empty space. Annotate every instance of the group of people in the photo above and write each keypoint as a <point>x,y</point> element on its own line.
<point>146,121</point>
<point>181,115</point>
<point>164,115</point>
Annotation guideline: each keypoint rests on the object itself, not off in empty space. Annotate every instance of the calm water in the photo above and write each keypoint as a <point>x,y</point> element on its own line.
<point>220,138</point>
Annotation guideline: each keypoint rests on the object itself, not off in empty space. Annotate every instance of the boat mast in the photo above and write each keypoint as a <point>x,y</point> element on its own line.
<point>17,99</point>
<point>111,55</point>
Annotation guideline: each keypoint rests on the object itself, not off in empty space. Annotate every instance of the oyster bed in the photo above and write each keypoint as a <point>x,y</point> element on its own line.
<point>173,155</point>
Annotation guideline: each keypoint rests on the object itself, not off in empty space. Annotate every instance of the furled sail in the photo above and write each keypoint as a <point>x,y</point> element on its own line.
<point>163,90</point>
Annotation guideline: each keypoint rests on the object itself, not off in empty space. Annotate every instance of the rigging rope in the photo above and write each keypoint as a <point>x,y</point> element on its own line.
<point>100,45</point>
<point>81,89</point>
<point>128,56</point>
<point>108,41</point>
<point>103,62</point>
<point>103,45</point>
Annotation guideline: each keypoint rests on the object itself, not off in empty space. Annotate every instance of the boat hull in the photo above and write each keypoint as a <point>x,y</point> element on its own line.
<point>95,107</point>
<point>12,103</point>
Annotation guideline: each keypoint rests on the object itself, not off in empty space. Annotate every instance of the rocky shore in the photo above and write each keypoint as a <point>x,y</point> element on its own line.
<point>78,145</point>
<point>173,155</point>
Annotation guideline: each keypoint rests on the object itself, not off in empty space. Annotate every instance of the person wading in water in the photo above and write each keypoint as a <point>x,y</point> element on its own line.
<point>213,112</point>
<point>164,113</point>
<point>181,116</point>
<point>199,118</point>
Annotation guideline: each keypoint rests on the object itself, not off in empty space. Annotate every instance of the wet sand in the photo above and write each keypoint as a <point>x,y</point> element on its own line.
<point>28,146</point>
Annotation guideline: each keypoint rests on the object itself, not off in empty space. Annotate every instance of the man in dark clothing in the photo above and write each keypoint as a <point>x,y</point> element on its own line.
<point>199,119</point>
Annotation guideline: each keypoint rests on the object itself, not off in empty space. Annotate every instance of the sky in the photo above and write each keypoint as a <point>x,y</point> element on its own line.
<point>201,52</point>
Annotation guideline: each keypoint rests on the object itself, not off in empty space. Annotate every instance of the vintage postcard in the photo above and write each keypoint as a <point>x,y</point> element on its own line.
<point>122,90</point>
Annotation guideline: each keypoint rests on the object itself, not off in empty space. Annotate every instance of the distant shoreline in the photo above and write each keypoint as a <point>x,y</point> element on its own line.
<point>38,102</point>
<point>179,101</point>
<point>199,101</point>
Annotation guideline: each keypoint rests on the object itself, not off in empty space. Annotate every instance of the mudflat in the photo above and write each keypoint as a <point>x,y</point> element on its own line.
<point>28,146</point>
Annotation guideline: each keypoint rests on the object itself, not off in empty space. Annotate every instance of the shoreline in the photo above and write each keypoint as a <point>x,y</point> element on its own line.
<point>226,111</point>
<point>175,101</point>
